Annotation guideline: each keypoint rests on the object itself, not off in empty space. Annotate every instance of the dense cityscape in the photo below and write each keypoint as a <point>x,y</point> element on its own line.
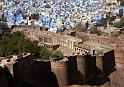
<point>61,43</point>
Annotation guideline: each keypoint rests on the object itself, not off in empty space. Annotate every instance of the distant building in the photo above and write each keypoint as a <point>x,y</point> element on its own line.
<point>110,1</point>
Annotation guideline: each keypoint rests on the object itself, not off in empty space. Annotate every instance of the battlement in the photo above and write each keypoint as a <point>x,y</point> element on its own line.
<point>88,55</point>
<point>76,69</point>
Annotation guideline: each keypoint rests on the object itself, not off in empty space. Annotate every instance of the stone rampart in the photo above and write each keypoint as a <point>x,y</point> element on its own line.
<point>60,70</point>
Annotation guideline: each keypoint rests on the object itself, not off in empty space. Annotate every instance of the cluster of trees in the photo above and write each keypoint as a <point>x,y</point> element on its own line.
<point>3,28</point>
<point>15,43</point>
<point>81,27</point>
<point>94,30</point>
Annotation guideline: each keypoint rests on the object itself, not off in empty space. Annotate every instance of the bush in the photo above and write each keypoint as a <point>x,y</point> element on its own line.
<point>79,24</point>
<point>110,23</point>
<point>44,53</point>
<point>94,30</point>
<point>4,29</point>
<point>57,55</point>
<point>15,43</point>
<point>98,32</point>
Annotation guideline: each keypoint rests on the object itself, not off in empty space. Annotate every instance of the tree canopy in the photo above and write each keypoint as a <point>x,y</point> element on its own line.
<point>79,24</point>
<point>3,29</point>
<point>16,43</point>
<point>94,30</point>
<point>56,55</point>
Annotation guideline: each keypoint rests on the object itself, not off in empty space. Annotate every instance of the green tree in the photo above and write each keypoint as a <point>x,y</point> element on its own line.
<point>45,54</point>
<point>16,34</point>
<point>15,43</point>
<point>110,22</point>
<point>79,24</point>
<point>57,55</point>
<point>80,27</point>
<point>94,30</point>
<point>4,30</point>
<point>2,51</point>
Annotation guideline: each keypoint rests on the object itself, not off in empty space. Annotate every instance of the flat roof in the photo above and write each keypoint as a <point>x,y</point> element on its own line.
<point>94,46</point>
<point>52,34</point>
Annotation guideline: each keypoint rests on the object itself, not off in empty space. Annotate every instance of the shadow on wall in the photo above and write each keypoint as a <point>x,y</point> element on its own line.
<point>99,79</point>
<point>102,72</point>
<point>6,79</point>
<point>84,70</point>
<point>53,81</point>
<point>72,70</point>
<point>80,70</point>
<point>36,74</point>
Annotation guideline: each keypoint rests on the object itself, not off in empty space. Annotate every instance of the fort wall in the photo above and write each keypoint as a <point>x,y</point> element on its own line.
<point>60,70</point>
<point>115,43</point>
<point>72,69</point>
<point>77,69</point>
<point>90,65</point>
<point>6,80</point>
<point>108,62</point>
<point>41,74</point>
<point>21,69</point>
<point>81,68</point>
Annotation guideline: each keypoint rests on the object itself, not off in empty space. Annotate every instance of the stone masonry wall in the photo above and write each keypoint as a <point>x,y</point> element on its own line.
<point>6,79</point>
